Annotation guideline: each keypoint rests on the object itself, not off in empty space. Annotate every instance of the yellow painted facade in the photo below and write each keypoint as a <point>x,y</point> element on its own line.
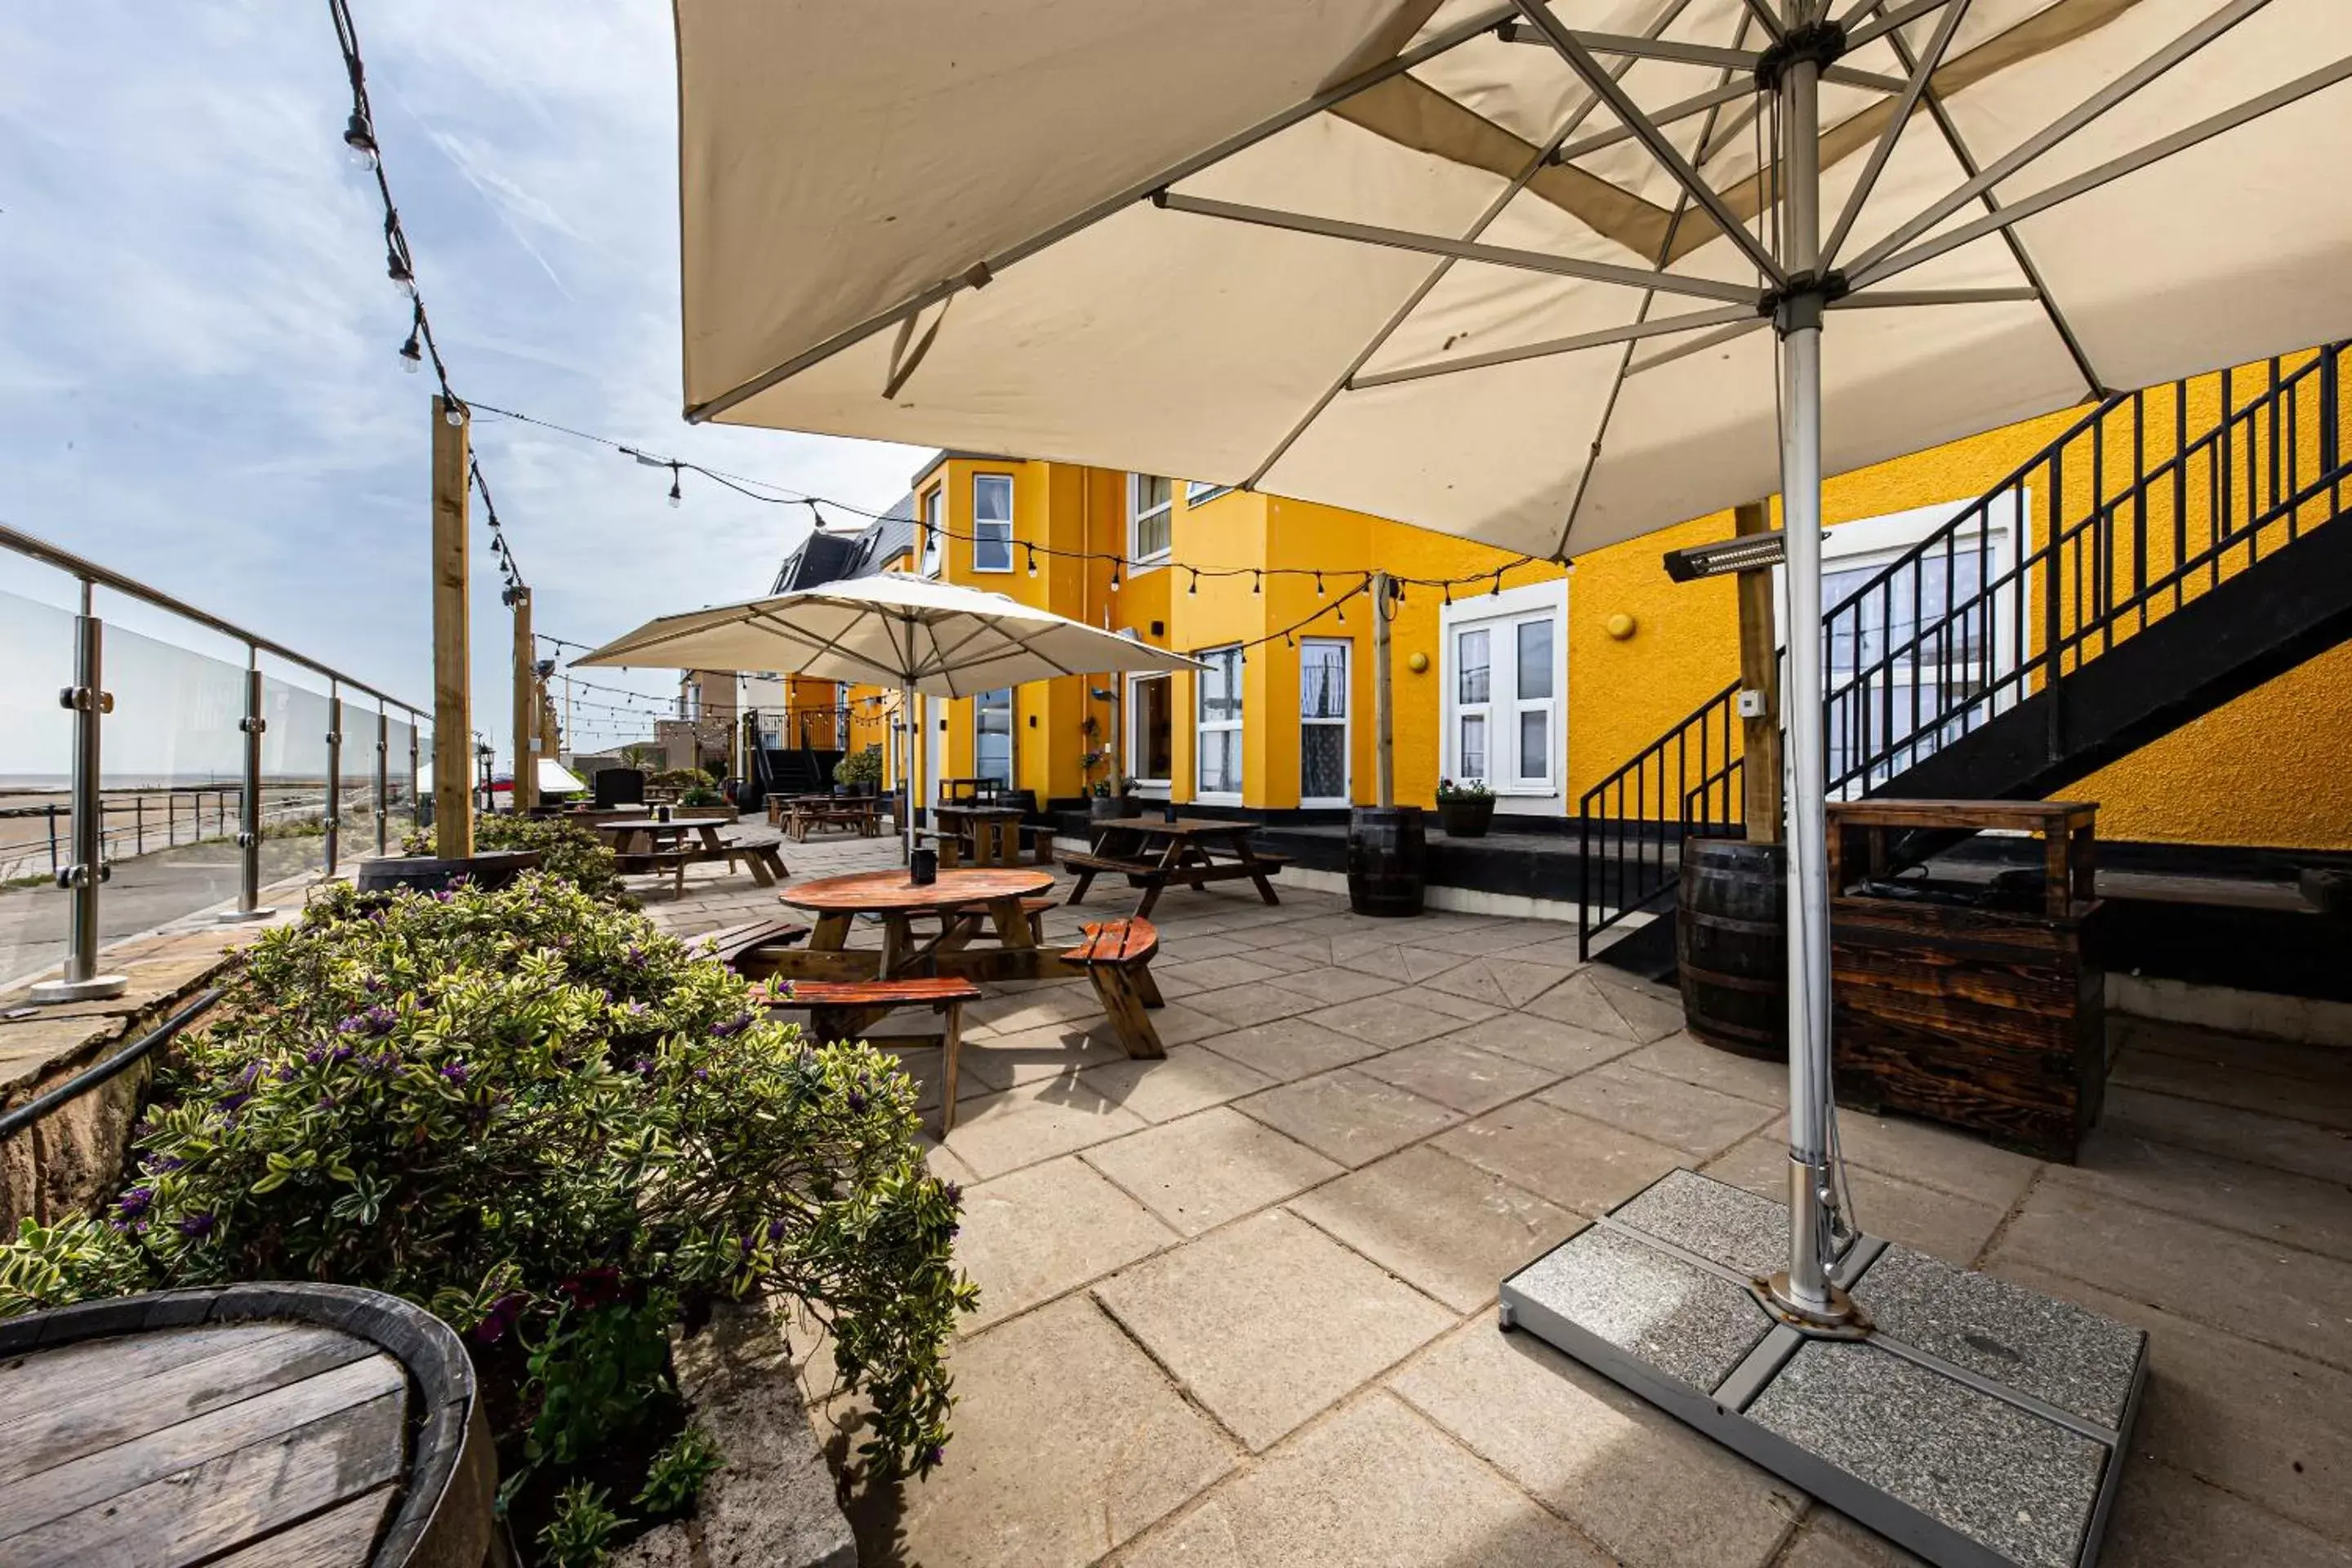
<point>1641,652</point>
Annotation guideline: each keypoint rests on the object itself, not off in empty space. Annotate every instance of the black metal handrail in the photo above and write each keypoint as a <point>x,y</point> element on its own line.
<point>2145,503</point>
<point>22,1116</point>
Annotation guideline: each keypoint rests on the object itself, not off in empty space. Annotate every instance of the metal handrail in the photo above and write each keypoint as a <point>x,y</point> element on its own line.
<point>1963,649</point>
<point>22,1116</point>
<point>89,571</point>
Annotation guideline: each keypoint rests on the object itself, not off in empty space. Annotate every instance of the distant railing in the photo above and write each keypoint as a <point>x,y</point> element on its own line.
<point>185,701</point>
<point>2145,503</point>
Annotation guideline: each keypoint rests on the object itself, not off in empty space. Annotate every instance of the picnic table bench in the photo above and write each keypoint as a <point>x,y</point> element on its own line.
<point>846,1009</point>
<point>1192,851</point>
<point>665,849</point>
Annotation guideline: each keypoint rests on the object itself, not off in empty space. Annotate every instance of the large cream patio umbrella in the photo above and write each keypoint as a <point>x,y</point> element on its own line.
<point>1543,275</point>
<point>890,629</point>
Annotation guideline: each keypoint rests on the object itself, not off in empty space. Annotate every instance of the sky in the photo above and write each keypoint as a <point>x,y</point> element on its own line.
<point>199,378</point>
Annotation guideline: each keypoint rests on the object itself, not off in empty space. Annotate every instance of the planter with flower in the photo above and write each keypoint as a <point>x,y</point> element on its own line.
<point>1109,796</point>
<point>536,1116</point>
<point>1464,810</point>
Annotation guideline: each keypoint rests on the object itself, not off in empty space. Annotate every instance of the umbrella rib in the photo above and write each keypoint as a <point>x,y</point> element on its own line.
<point>2114,168</point>
<point>819,647</point>
<point>1463,250</point>
<point>1869,32</point>
<point>1695,346</point>
<point>1347,378</point>
<point>1625,368</point>
<point>1891,298</point>
<point>1991,203</point>
<point>1601,339</point>
<point>2156,65</point>
<point>1698,103</point>
<point>1896,122</point>
<point>1478,24</point>
<point>1661,148</point>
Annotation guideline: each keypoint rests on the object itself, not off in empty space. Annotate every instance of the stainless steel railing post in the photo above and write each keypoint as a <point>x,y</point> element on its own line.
<point>382,781</point>
<point>334,775</point>
<point>89,702</point>
<point>249,833</point>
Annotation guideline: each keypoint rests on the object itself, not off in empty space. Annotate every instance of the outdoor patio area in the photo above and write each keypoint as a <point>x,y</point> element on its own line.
<point>1238,1306</point>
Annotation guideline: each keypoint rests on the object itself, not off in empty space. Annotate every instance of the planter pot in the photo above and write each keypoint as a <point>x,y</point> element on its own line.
<point>427,873</point>
<point>1103,808</point>
<point>1387,851</point>
<point>1731,945</point>
<point>1466,818</point>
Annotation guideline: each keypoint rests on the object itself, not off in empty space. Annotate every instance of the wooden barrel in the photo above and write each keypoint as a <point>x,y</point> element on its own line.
<point>1387,850</point>
<point>280,1422</point>
<point>490,869</point>
<point>1731,945</point>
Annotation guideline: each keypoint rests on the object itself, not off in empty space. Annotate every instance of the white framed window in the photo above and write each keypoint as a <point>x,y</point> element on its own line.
<point>1150,501</point>
<point>1323,749</point>
<point>991,735</point>
<point>1197,492</point>
<point>935,539</point>
<point>1217,724</point>
<point>1504,708</point>
<point>992,523</point>
<point>1151,732</point>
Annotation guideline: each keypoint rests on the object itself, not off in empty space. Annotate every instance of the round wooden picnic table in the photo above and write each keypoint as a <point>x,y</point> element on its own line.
<point>837,900</point>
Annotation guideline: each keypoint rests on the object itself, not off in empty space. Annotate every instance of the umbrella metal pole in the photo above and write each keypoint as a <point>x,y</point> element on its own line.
<point>1805,1288</point>
<point>906,773</point>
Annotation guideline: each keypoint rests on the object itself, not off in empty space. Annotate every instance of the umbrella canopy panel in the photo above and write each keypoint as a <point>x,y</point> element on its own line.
<point>888,630</point>
<point>1394,259</point>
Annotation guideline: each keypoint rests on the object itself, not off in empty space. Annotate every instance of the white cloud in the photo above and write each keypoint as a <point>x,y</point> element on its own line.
<point>197,375</point>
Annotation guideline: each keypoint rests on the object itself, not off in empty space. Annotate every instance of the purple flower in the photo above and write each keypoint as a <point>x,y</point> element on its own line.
<point>775,1230</point>
<point>232,1104</point>
<point>315,1056</point>
<point>635,957</point>
<point>328,1102</point>
<point>500,1317</point>
<point>197,1225</point>
<point>135,1203</point>
<point>162,1163</point>
<point>455,1072</point>
<point>856,1101</point>
<point>250,1075</point>
<point>933,1457</point>
<point>701,1074</point>
<point>955,1191</point>
<point>734,1025</point>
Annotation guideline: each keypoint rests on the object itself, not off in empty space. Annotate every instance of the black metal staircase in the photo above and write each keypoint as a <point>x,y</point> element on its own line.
<point>2166,553</point>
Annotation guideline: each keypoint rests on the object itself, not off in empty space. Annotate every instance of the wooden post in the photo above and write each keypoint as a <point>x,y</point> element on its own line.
<point>1383,699</point>
<point>1760,671</point>
<point>453,733</point>
<point>525,704</point>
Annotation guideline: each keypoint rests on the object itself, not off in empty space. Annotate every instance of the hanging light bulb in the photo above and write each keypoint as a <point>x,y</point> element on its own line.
<point>1343,612</point>
<point>1498,586</point>
<point>1256,583</point>
<point>412,352</point>
<point>1319,584</point>
<point>1033,561</point>
<point>359,142</point>
<point>1289,641</point>
<point>395,266</point>
<point>453,413</point>
<point>1192,589</point>
<point>1114,573</point>
<point>1449,591</point>
<point>677,496</point>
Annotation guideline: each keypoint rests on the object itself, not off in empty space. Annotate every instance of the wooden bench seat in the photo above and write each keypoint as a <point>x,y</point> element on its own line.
<point>653,862</point>
<point>1117,956</point>
<point>1032,910</point>
<point>737,942</point>
<point>845,1009</point>
<point>1110,863</point>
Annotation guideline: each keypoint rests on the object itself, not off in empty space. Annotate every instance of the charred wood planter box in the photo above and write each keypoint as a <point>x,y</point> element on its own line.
<point>1975,1005</point>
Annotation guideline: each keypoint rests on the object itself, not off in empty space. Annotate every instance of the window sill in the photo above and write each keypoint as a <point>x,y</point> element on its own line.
<point>1211,797</point>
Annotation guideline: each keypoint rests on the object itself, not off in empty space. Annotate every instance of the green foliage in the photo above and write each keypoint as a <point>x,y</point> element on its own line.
<point>566,849</point>
<point>862,767</point>
<point>674,1477</point>
<point>1448,790</point>
<point>541,1119</point>
<point>701,794</point>
<point>581,1533</point>
<point>677,781</point>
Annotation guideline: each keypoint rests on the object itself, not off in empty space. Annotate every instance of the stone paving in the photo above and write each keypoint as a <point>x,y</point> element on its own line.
<point>1237,1306</point>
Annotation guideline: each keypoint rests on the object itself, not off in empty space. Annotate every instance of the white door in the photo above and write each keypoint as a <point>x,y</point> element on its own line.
<point>1505,673</point>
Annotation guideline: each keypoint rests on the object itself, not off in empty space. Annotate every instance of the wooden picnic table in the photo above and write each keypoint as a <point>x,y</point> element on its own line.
<point>838,901</point>
<point>992,833</point>
<point>1193,851</point>
<point>666,842</point>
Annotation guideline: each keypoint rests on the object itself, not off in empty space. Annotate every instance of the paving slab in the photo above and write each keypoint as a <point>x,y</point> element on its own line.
<point>2270,1426</point>
<point>2217,1078</point>
<point>1258,1003</point>
<point>1558,1048</point>
<point>1438,1223</point>
<point>1652,1491</point>
<point>1026,1055</point>
<point>1068,1442</point>
<point>2301,1211</point>
<point>1505,982</point>
<point>1202,1170</point>
<point>2230,1132</point>
<point>1287,1048</point>
<point>1463,1009</point>
<point>1268,1320</point>
<point>1374,1487</point>
<point>1582,1164</point>
<point>1828,1538</point>
<point>1187,1079</point>
<point>1032,1236</point>
<point>2164,1519</point>
<point>1385,1023</point>
<point>1579,1000</point>
<point>1347,1115</point>
<point>1960,1163</point>
<point>1655,1011</point>
<point>1419,966</point>
<point>1215,973</point>
<point>1015,1127</point>
<point>2295,1301</point>
<point>1332,986</point>
<point>1457,1074</point>
<point>1012,1012</point>
<point>1688,1116</point>
<point>1695,1061</point>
